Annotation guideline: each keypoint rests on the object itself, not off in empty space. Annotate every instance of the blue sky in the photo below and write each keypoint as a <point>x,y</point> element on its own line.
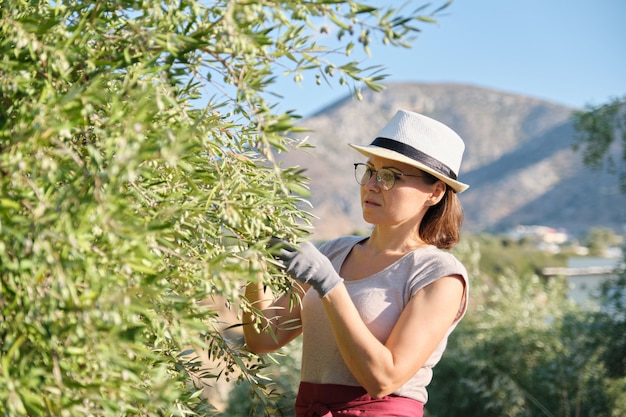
<point>571,52</point>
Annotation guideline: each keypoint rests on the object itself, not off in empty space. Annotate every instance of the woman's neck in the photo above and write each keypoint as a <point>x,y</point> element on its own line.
<point>394,241</point>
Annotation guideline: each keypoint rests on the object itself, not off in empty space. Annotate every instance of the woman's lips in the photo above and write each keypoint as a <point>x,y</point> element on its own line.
<point>370,203</point>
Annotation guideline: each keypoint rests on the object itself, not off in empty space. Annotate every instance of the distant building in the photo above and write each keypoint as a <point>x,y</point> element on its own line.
<point>547,238</point>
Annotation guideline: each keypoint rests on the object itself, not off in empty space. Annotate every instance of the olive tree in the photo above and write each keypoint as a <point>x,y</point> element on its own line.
<point>139,184</point>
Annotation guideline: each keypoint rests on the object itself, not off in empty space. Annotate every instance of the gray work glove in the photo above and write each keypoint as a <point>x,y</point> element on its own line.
<point>307,265</point>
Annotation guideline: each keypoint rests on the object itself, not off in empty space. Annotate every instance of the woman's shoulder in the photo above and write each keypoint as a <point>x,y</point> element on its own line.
<point>442,261</point>
<point>429,264</point>
<point>340,244</point>
<point>433,252</point>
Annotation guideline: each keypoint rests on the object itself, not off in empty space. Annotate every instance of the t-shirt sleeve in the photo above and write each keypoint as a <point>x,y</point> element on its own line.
<point>434,265</point>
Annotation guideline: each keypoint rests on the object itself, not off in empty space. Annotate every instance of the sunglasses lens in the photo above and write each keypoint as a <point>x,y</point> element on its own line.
<point>386,179</point>
<point>362,174</point>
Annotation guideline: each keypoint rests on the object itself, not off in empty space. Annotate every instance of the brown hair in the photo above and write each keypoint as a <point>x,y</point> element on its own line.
<point>441,225</point>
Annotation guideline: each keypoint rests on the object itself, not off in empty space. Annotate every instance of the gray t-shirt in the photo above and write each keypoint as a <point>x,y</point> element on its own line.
<point>380,299</point>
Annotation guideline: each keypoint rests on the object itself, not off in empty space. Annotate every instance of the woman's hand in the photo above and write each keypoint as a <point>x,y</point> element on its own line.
<point>307,265</point>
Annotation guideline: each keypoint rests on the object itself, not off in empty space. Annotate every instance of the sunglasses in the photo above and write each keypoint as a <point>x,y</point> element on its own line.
<point>385,177</point>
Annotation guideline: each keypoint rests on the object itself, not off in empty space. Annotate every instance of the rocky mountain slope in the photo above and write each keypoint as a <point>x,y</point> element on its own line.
<point>518,161</point>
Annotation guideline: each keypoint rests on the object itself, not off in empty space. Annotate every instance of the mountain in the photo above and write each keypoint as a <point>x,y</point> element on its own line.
<point>519,160</point>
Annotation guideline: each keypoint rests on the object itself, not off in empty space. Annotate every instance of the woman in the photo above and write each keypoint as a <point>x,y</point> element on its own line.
<point>377,311</point>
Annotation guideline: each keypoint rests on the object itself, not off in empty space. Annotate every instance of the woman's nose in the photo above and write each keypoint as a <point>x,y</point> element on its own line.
<point>372,183</point>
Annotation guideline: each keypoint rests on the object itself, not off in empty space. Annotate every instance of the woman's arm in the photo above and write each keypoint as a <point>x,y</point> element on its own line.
<point>280,323</point>
<point>382,368</point>
<point>379,368</point>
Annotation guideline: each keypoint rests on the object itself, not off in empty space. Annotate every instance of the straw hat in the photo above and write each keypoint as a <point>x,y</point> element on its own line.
<point>421,142</point>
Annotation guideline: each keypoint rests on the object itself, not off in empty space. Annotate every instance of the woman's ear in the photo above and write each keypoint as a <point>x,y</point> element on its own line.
<point>439,190</point>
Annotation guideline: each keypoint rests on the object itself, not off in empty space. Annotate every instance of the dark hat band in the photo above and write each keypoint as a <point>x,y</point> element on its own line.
<point>417,155</point>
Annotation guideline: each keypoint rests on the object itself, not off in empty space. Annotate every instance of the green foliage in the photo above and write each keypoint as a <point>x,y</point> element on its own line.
<point>138,180</point>
<point>599,239</point>
<point>524,350</point>
<point>600,129</point>
<point>283,377</point>
<point>502,255</point>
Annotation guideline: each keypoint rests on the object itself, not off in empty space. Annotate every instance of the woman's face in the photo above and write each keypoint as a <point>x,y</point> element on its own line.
<point>405,202</point>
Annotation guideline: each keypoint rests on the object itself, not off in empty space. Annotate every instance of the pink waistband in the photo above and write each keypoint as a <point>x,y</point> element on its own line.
<point>329,400</point>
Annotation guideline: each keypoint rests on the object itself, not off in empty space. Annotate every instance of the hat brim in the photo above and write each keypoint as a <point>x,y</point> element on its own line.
<point>370,150</point>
